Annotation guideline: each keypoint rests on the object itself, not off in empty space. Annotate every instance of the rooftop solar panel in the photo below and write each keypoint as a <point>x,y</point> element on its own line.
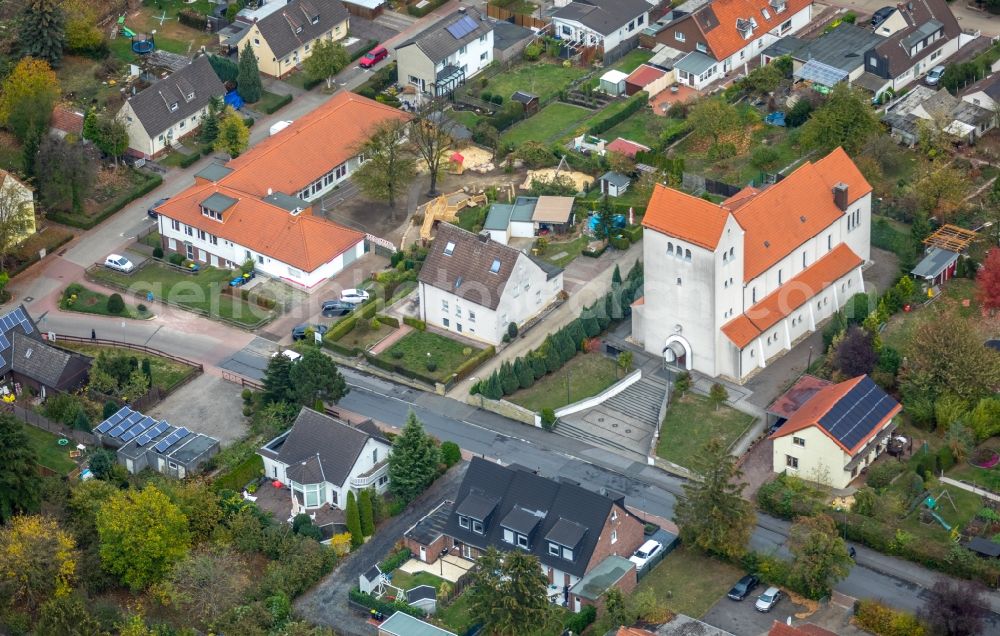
<point>857,414</point>
<point>137,428</point>
<point>4,343</point>
<point>155,431</point>
<point>462,27</point>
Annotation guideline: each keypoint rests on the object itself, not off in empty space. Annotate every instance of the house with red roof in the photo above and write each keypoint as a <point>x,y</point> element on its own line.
<point>722,36</point>
<point>731,286</point>
<point>837,433</point>
<point>260,206</point>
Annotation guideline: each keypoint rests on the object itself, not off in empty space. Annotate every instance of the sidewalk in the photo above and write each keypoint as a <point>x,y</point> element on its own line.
<point>596,287</point>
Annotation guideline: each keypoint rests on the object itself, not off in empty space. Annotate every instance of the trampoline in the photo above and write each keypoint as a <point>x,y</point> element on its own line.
<point>142,47</point>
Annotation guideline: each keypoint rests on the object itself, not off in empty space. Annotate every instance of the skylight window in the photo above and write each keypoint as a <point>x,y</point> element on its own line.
<point>449,248</point>
<point>495,267</point>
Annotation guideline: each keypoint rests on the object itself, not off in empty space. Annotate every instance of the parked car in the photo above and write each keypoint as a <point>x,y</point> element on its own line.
<point>354,296</point>
<point>881,16</point>
<point>373,57</point>
<point>934,76</point>
<point>152,209</point>
<point>242,279</point>
<point>288,353</point>
<point>743,587</point>
<point>333,308</point>
<point>645,552</point>
<point>767,600</point>
<point>119,263</point>
<point>299,331</point>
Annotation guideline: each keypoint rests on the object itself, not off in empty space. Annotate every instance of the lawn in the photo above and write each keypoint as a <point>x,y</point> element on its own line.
<point>470,218</point>
<point>88,301</point>
<point>171,35</point>
<point>455,616</point>
<point>966,506</point>
<point>586,374</point>
<point>692,421</point>
<point>643,127</point>
<point>542,79</point>
<point>898,332</point>
<point>688,582</point>
<point>200,293</point>
<point>407,581</point>
<point>78,79</point>
<point>268,102</point>
<point>362,336</point>
<point>466,118</point>
<point>50,453</point>
<point>740,169</point>
<point>418,348</point>
<point>553,122</point>
<point>166,372</point>
<point>632,60</point>
<point>563,253</point>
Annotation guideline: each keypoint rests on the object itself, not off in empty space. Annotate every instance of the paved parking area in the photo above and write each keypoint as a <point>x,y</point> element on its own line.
<point>208,405</point>
<point>742,619</point>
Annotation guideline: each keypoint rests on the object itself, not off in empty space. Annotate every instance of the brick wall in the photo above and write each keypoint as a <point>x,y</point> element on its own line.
<point>433,550</point>
<point>626,584</point>
<point>630,533</point>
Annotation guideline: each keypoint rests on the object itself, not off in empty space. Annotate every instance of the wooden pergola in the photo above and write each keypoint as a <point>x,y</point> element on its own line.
<point>951,238</point>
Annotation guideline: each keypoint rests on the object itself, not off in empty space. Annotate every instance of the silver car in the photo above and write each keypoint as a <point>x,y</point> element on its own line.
<point>767,600</point>
<point>119,263</point>
<point>934,76</point>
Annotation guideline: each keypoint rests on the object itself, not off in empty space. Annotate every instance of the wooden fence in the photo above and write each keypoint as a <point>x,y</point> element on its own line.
<point>520,19</point>
<point>40,421</point>
<point>127,345</point>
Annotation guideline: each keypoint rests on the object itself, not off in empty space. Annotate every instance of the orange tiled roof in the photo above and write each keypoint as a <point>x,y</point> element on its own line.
<point>626,147</point>
<point>67,120</point>
<point>781,629</point>
<point>717,22</point>
<point>686,217</point>
<point>792,295</point>
<point>309,148</point>
<point>304,241</point>
<point>632,631</point>
<point>644,74</point>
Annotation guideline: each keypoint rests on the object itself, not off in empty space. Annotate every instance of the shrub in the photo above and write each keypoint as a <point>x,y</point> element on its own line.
<point>115,304</point>
<point>531,53</point>
<point>87,222</point>
<point>416,323</point>
<point>395,560</point>
<point>157,252</point>
<point>176,259</point>
<point>632,106</point>
<point>142,308</point>
<point>764,157</point>
<point>451,454</point>
<point>883,621</point>
<point>284,101</point>
<point>512,330</point>
<point>881,475</point>
<point>431,366</point>
<point>619,243</point>
<point>192,19</point>
<point>579,621</point>
<point>188,160</point>
<point>548,419</point>
<point>486,96</point>
<point>385,607</point>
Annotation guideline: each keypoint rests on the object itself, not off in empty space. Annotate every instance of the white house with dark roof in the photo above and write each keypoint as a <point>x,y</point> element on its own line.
<point>171,108</point>
<point>442,57</point>
<point>475,286</point>
<point>604,23</point>
<point>321,459</point>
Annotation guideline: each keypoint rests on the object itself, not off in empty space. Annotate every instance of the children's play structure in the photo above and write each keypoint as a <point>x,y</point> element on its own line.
<point>445,208</point>
<point>147,44</point>
<point>933,504</point>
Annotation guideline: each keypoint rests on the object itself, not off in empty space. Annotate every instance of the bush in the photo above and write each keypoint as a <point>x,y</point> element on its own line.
<point>416,323</point>
<point>142,308</point>
<point>157,252</point>
<point>619,243</point>
<point>764,157</point>
<point>273,108</point>
<point>531,53</point>
<point>632,106</point>
<point>799,113</point>
<point>192,19</point>
<point>594,253</point>
<point>881,475</point>
<point>87,222</point>
<point>188,160</point>
<point>176,259</point>
<point>451,454</point>
<point>883,621</point>
<point>385,607</point>
<point>395,560</point>
<point>548,419</point>
<point>115,303</point>
<point>579,621</point>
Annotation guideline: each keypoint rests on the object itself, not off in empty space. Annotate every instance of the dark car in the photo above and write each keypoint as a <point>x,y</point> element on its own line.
<point>743,587</point>
<point>152,209</point>
<point>881,16</point>
<point>299,331</point>
<point>333,308</point>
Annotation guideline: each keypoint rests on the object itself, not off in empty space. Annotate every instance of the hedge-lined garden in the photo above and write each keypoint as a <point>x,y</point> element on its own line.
<point>144,183</point>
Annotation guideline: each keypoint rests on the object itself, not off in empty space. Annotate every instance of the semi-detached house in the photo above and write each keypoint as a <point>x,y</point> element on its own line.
<point>604,23</point>
<point>441,58</point>
<point>260,206</point>
<point>731,286</point>
<point>726,35</point>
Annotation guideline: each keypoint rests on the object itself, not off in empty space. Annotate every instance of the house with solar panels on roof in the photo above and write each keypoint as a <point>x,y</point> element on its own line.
<point>142,442</point>
<point>441,58</point>
<point>32,363</point>
<point>837,433</point>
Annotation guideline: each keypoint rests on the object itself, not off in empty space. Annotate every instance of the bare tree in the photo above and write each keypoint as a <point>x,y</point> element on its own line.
<point>17,216</point>
<point>955,608</point>
<point>388,166</point>
<point>430,136</point>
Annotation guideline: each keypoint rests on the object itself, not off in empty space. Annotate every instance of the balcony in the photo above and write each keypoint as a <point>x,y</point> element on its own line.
<point>371,476</point>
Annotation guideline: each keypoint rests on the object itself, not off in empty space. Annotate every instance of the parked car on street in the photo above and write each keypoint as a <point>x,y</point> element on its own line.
<point>119,263</point>
<point>354,296</point>
<point>646,551</point>
<point>333,308</point>
<point>934,76</point>
<point>767,600</point>
<point>373,57</point>
<point>743,587</point>
<point>152,209</point>
<point>299,331</point>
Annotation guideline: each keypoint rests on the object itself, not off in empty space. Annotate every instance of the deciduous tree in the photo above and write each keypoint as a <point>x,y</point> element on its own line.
<point>19,483</point>
<point>248,79</point>
<point>27,98</point>
<point>955,608</point>
<point>413,462</point>
<point>327,59</point>
<point>430,138</point>
<point>712,514</point>
<point>207,583</point>
<point>820,556</point>
<point>112,137</point>
<point>66,172</point>
<point>67,616</point>
<point>940,190</point>
<point>846,120</point>
<point>42,30</point>
<point>509,594</point>
<point>142,535</point>
<point>37,561</point>
<point>315,376</point>
<point>855,354</point>
<point>988,280</point>
<point>17,216</point>
<point>234,136</point>
<point>82,34</point>
<point>389,167</point>
<point>718,395</point>
<point>715,119</point>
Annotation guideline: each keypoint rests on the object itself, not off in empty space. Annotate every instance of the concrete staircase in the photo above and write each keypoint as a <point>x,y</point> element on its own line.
<point>568,430</point>
<point>640,402</point>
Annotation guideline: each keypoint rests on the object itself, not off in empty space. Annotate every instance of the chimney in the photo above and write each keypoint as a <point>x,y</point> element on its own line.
<point>840,196</point>
<point>484,236</point>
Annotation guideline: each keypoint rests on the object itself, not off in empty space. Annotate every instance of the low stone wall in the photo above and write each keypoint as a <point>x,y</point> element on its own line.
<point>505,408</point>
<point>606,394</point>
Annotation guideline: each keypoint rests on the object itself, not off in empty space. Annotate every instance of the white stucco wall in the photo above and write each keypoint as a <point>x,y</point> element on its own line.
<point>151,142</point>
<point>576,31</point>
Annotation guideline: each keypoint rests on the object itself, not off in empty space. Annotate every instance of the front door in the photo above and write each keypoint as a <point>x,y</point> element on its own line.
<point>190,251</point>
<point>423,554</point>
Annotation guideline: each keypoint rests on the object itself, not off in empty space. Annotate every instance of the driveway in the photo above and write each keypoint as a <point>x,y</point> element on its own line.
<point>326,603</point>
<point>740,617</point>
<point>969,19</point>
<point>208,405</point>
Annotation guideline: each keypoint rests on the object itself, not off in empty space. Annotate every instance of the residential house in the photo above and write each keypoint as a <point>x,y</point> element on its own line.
<point>582,539</point>
<point>837,433</point>
<point>442,57</point>
<point>614,184</point>
<point>722,36</point>
<point>918,36</point>
<point>171,108</point>
<point>939,110</point>
<point>19,193</point>
<point>321,459</point>
<point>835,56</point>
<point>475,286</point>
<point>612,25</point>
<point>259,205</point>
<point>66,121</point>
<point>730,286</point>
<point>31,363</point>
<point>283,38</point>
<point>142,442</point>
<point>509,40</point>
<point>511,220</point>
<point>985,93</point>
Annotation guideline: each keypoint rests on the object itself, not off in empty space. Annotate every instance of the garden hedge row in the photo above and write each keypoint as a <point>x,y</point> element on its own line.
<point>385,607</point>
<point>416,323</point>
<point>240,475</point>
<point>188,160</point>
<point>87,222</point>
<point>420,12</point>
<point>33,257</point>
<point>473,363</point>
<point>632,106</point>
<point>281,103</point>
<point>884,621</point>
<point>388,320</point>
<point>192,19</point>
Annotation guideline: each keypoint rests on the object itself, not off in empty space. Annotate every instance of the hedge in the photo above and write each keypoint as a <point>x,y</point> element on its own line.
<point>240,475</point>
<point>188,160</point>
<point>472,363</point>
<point>392,367</point>
<point>369,45</point>
<point>388,320</point>
<point>281,103</point>
<point>634,233</point>
<point>386,607</point>
<point>336,347</point>
<point>395,560</point>
<point>192,19</point>
<point>379,81</point>
<point>416,323</point>
<point>87,222</point>
<point>620,242</point>
<point>33,257</point>
<point>632,106</point>
<point>249,121</point>
<point>225,69</point>
<point>424,10</point>
<point>883,621</point>
<point>340,329</point>
<point>594,253</point>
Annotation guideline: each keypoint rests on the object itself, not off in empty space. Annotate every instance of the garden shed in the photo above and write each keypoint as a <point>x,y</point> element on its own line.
<point>614,184</point>
<point>529,101</point>
<point>613,82</point>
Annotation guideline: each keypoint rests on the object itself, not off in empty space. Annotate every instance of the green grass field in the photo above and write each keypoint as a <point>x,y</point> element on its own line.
<point>587,374</point>
<point>563,253</point>
<point>89,301</point>
<point>553,122</point>
<point>691,422</point>
<point>50,453</point>
<point>643,127</point>
<point>688,582</point>
<point>166,372</point>
<point>542,79</point>
<point>420,346</point>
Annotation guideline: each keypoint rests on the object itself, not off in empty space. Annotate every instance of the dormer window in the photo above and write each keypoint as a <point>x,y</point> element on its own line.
<point>189,96</point>
<point>778,5</point>
<point>212,214</point>
<point>298,29</point>
<point>463,522</point>
<point>567,554</point>
<point>554,549</point>
<point>174,106</point>
<point>767,16</point>
<point>315,20</point>
<point>449,248</point>
<point>477,526</point>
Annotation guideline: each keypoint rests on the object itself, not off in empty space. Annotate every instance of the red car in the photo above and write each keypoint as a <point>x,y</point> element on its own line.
<point>373,57</point>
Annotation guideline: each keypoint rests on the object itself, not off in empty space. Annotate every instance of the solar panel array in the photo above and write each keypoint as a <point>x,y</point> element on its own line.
<point>816,71</point>
<point>462,27</point>
<point>7,322</point>
<point>127,425</point>
<point>171,439</point>
<point>857,413</point>
<point>113,421</point>
<point>151,434</point>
